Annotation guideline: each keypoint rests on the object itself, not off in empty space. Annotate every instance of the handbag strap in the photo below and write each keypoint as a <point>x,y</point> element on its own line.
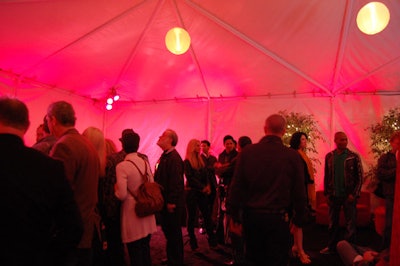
<point>144,176</point>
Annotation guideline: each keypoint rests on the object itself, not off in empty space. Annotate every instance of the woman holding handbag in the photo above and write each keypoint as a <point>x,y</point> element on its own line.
<point>135,231</point>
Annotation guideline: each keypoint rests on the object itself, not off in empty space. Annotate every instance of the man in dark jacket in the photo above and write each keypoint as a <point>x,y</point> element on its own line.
<point>342,184</point>
<point>267,183</point>
<point>40,221</point>
<point>169,174</point>
<point>82,165</point>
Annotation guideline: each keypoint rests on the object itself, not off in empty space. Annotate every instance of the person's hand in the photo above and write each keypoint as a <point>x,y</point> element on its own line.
<point>370,255</point>
<point>207,190</point>
<point>236,228</point>
<point>293,228</point>
<point>350,198</point>
<point>171,207</point>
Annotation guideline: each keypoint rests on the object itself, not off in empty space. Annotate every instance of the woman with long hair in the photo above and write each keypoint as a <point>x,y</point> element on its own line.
<point>198,188</point>
<point>299,143</point>
<point>96,137</point>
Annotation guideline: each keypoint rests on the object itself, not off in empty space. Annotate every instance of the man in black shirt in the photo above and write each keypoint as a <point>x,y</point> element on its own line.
<point>268,181</point>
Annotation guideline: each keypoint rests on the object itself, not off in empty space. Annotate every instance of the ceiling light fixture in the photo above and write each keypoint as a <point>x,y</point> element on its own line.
<point>177,40</point>
<point>112,98</point>
<point>373,18</point>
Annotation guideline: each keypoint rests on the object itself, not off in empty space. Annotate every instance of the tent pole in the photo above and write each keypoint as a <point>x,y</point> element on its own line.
<point>208,119</point>
<point>331,122</point>
<point>344,33</point>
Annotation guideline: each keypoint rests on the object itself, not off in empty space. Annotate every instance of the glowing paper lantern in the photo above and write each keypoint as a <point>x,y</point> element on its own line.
<point>373,18</point>
<point>177,41</point>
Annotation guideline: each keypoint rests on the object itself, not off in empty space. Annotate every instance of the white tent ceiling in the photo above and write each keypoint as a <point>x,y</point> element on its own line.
<point>248,58</point>
<point>239,48</point>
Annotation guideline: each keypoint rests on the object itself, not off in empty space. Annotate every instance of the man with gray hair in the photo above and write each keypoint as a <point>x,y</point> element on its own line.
<point>267,185</point>
<point>82,168</point>
<point>169,174</point>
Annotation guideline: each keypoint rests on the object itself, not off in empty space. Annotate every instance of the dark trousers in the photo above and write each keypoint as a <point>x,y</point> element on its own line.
<point>139,252</point>
<point>194,200</point>
<point>267,238</point>
<point>350,214</point>
<point>171,226</point>
<point>221,230</point>
<point>114,255</point>
<point>387,233</point>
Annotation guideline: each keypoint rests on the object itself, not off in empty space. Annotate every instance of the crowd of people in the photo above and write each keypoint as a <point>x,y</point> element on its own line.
<point>70,199</point>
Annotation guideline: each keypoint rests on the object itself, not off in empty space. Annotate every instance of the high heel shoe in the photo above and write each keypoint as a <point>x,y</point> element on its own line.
<point>304,258</point>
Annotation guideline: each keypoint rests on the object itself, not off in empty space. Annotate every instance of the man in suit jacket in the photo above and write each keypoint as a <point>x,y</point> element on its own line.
<point>82,166</point>
<point>169,174</point>
<point>40,219</point>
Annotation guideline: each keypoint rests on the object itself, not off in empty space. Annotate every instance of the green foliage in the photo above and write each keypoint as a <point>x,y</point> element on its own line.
<point>298,122</point>
<point>380,134</point>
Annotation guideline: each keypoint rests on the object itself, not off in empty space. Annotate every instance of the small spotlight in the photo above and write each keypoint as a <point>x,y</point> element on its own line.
<point>109,107</point>
<point>110,100</point>
<point>116,97</point>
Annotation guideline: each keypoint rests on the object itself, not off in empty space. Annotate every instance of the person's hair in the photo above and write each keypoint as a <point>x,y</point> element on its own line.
<point>244,141</point>
<point>229,137</point>
<point>96,137</point>
<point>275,124</point>
<point>194,157</point>
<point>45,125</point>
<point>172,134</point>
<point>63,112</point>
<point>206,142</point>
<point>130,142</point>
<point>395,135</point>
<point>14,113</point>
<point>295,140</point>
<point>110,147</point>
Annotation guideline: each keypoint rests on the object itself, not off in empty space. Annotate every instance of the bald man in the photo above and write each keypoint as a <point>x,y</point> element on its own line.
<point>342,186</point>
<point>268,182</point>
<point>40,221</point>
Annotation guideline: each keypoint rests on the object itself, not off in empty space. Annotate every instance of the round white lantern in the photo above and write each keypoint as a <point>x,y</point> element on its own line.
<point>177,41</point>
<point>373,18</point>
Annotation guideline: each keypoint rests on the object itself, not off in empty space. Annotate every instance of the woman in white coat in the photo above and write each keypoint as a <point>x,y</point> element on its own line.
<point>135,231</point>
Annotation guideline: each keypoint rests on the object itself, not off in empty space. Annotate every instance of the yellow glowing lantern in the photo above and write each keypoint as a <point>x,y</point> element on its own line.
<point>373,18</point>
<point>177,41</point>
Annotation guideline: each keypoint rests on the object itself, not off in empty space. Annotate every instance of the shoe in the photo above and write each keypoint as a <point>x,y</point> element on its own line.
<point>304,258</point>
<point>229,262</point>
<point>164,261</point>
<point>327,251</point>
<point>202,231</point>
